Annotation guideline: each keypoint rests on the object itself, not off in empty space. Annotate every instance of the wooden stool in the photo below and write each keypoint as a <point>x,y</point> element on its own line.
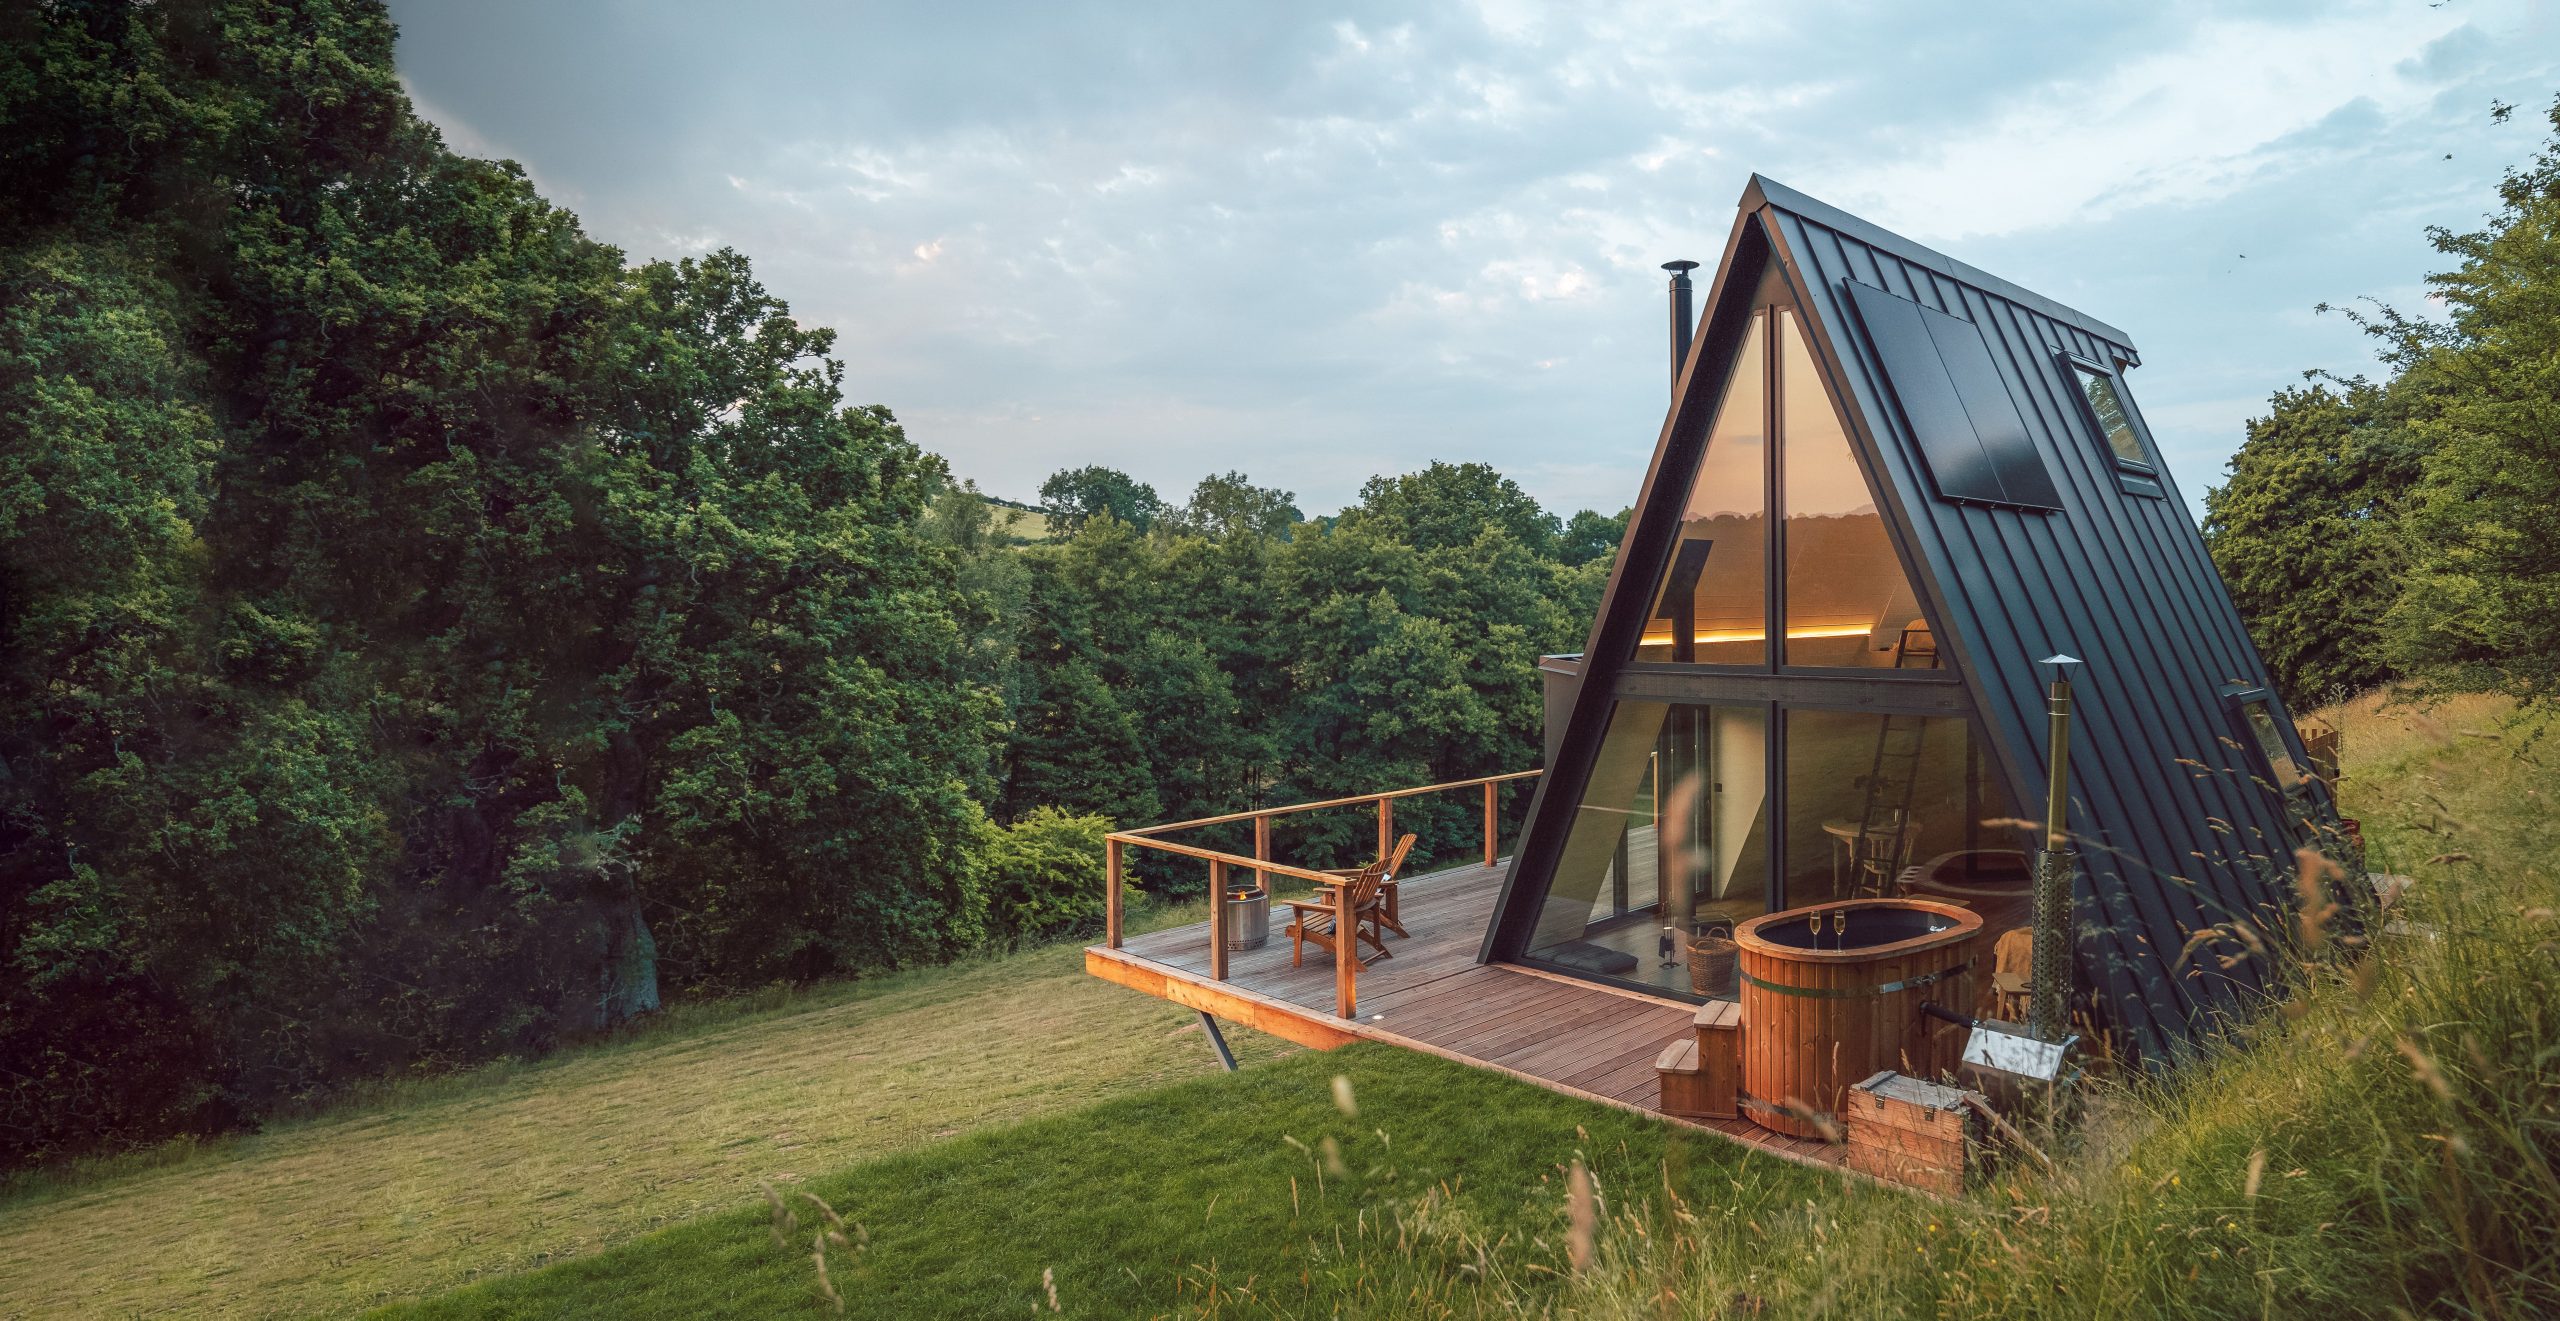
<point>1701,1076</point>
<point>1906,1131</point>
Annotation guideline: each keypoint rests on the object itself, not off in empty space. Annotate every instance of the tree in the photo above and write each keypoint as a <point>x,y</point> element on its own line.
<point>1230,503</point>
<point>1078,749</point>
<point>1074,496</point>
<point>2480,607</point>
<point>1447,504</point>
<point>1591,535</point>
<point>2305,530</point>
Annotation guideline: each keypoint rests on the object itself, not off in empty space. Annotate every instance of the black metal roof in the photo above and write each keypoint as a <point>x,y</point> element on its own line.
<point>2180,829</point>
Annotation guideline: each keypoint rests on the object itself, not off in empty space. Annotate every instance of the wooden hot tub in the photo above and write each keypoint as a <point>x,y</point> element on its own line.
<point>1825,1009</point>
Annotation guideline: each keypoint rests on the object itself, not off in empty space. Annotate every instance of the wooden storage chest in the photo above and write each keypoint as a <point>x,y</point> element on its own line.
<point>1907,1131</point>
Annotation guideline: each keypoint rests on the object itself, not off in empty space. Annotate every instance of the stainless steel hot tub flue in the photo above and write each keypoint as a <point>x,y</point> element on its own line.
<point>2049,986</point>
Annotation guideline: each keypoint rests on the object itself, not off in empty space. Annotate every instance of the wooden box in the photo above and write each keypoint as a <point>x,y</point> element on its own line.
<point>1906,1131</point>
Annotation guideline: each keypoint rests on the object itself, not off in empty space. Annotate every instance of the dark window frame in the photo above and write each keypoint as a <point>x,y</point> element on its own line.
<point>2137,476</point>
<point>2237,702</point>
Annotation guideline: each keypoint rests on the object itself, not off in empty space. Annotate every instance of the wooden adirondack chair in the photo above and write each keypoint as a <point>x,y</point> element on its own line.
<point>1366,891</point>
<point>1388,917</point>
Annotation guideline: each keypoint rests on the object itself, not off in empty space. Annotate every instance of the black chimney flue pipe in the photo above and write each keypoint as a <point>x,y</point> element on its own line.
<point>1684,321</point>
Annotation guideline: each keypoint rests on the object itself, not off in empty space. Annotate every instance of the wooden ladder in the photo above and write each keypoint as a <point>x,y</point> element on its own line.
<point>1893,776</point>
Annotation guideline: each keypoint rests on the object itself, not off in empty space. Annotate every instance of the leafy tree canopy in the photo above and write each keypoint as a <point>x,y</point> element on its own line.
<point>1448,504</point>
<point>1591,535</point>
<point>2305,531</point>
<point>1230,503</point>
<point>1076,496</point>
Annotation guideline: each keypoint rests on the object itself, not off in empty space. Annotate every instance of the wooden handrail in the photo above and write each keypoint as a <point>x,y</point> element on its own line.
<point>1329,802</point>
<point>1227,859</point>
<point>1346,959</point>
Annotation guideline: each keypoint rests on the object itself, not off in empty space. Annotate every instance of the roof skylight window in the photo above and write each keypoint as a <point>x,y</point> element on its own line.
<point>2106,408</point>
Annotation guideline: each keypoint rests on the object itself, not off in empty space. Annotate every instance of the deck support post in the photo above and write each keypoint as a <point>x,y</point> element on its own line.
<point>1491,834</point>
<point>1346,950</point>
<point>1217,1040</point>
<point>1217,921</point>
<point>1262,850</point>
<point>1386,827</point>
<point>1111,892</point>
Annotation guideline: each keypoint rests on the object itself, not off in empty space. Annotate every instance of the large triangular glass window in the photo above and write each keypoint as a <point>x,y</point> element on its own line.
<point>1848,602</point>
<point>1712,605</point>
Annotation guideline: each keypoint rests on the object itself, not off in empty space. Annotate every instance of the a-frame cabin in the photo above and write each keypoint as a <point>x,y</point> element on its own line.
<point>1888,488</point>
<point>1930,479</point>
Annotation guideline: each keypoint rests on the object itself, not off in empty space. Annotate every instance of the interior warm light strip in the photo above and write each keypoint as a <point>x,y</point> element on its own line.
<point>1663,638</point>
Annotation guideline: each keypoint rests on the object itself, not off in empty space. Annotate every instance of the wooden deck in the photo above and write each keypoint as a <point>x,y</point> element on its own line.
<point>1595,1042</point>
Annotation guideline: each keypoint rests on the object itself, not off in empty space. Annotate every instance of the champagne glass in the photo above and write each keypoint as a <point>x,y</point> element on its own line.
<point>1813,923</point>
<point>1839,927</point>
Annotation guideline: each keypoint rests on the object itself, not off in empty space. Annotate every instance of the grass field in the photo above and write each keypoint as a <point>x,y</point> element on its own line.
<point>434,1186</point>
<point>1253,1194</point>
<point>1020,524</point>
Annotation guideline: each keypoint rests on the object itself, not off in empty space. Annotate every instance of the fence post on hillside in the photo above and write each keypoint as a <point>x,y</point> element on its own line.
<point>1217,920</point>
<point>1262,851</point>
<point>1111,891</point>
<point>1386,826</point>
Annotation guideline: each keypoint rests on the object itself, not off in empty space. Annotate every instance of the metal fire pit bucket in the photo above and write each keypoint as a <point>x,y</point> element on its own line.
<point>1248,917</point>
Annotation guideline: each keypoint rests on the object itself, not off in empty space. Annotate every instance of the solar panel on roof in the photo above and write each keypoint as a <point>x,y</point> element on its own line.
<point>1996,420</point>
<point>1972,438</point>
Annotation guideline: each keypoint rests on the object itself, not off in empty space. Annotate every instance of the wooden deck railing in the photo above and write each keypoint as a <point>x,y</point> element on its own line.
<point>1346,954</point>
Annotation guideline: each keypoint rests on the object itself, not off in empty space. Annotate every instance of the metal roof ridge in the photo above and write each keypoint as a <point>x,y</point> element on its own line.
<point>1764,190</point>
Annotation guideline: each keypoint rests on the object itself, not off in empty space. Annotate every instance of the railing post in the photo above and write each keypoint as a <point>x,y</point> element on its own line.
<point>1386,826</point>
<point>1346,950</point>
<point>1217,921</point>
<point>1111,892</point>
<point>1262,851</point>
<point>1491,834</point>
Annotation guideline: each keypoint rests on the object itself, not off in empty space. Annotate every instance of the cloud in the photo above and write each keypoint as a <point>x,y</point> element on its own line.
<point>2180,126</point>
<point>1187,237</point>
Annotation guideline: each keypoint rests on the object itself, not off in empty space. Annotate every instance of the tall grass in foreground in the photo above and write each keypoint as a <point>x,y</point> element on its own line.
<point>2386,1142</point>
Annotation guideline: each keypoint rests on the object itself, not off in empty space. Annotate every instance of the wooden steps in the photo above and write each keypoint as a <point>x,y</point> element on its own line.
<point>1702,1073</point>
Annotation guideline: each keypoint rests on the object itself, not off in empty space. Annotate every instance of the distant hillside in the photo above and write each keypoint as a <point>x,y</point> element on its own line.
<point>1019,520</point>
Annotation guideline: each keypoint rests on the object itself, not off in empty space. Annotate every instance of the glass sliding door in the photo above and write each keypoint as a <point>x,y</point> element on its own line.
<point>1672,829</point>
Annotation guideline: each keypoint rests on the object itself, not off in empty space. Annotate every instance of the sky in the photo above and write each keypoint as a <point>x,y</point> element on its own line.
<point>1317,244</point>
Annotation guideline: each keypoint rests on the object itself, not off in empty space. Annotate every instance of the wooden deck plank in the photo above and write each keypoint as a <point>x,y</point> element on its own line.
<point>1633,1051</point>
<point>1559,1029</point>
<point>1458,1002</point>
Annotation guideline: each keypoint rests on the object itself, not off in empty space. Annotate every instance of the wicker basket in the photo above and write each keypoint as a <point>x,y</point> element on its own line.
<point>1714,967</point>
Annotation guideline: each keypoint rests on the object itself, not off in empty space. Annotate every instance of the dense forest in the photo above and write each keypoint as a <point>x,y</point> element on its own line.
<point>426,634</point>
